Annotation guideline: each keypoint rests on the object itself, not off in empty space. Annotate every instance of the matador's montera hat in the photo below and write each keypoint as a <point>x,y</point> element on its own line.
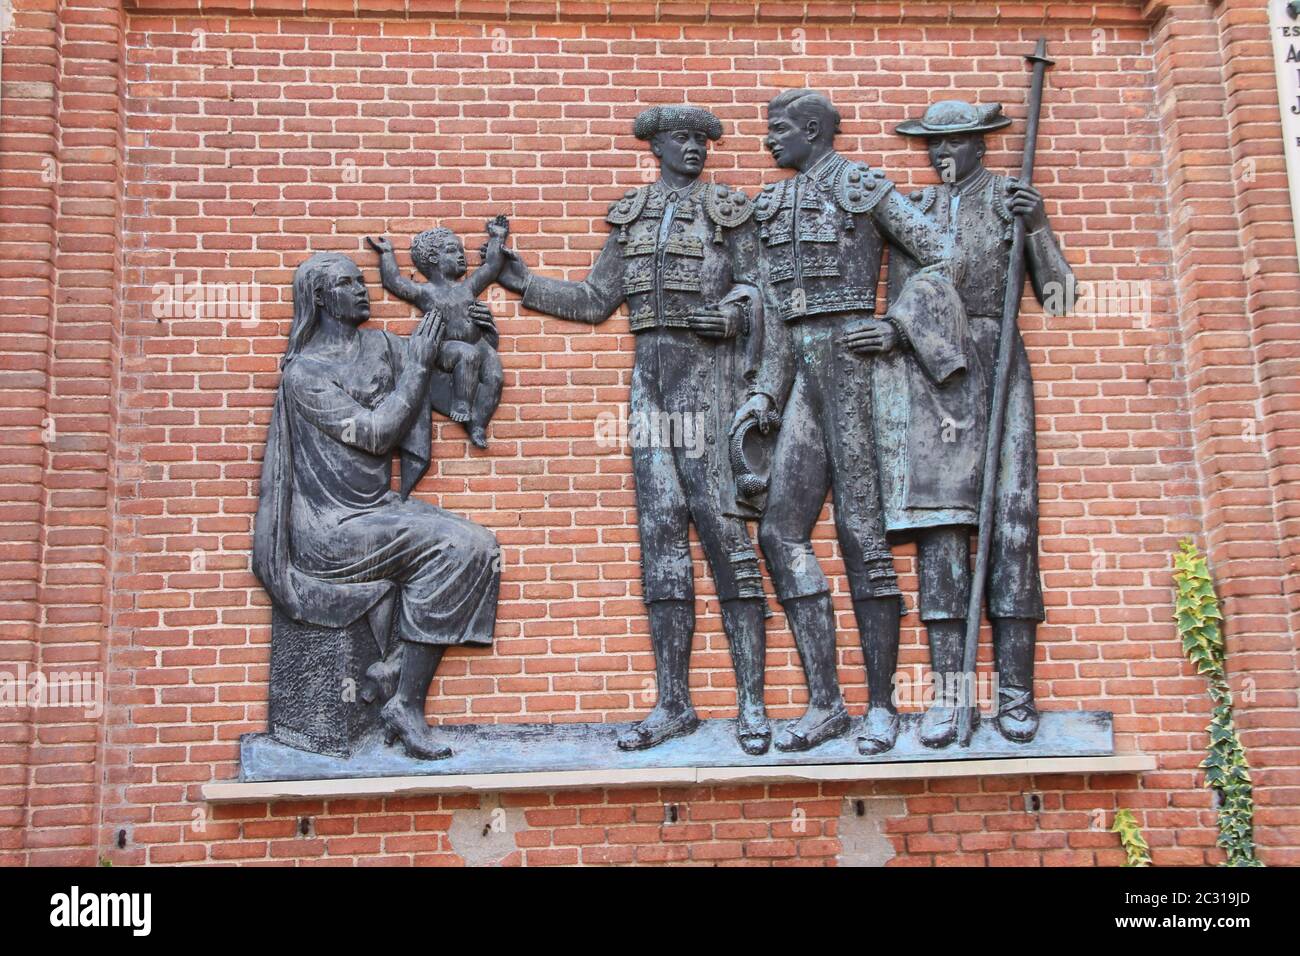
<point>664,119</point>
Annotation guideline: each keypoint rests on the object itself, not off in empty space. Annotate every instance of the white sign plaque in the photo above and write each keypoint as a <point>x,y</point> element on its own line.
<point>1284,23</point>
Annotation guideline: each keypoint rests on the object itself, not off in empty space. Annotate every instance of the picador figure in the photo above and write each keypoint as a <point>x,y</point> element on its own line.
<point>822,236</point>
<point>932,424</point>
<point>682,255</point>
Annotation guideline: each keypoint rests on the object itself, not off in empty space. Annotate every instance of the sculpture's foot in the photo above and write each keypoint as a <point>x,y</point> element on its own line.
<point>939,726</point>
<point>754,733</point>
<point>1017,718</point>
<point>478,435</point>
<point>659,726</point>
<point>879,732</point>
<point>815,726</point>
<point>459,411</point>
<point>416,736</point>
<point>384,673</point>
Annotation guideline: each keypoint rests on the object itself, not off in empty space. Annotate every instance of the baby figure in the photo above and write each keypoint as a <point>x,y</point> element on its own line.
<point>469,342</point>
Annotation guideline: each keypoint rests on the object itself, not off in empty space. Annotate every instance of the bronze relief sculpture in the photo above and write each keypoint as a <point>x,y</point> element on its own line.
<point>682,254</point>
<point>758,338</point>
<point>469,347</point>
<point>932,430</point>
<point>823,235</point>
<point>333,543</point>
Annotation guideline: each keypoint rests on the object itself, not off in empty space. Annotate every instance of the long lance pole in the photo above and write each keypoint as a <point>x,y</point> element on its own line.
<point>1001,389</point>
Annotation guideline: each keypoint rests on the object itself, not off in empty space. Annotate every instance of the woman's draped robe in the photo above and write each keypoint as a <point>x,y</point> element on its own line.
<point>332,540</point>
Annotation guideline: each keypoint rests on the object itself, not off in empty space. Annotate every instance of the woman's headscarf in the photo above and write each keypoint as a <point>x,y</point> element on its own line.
<point>308,283</point>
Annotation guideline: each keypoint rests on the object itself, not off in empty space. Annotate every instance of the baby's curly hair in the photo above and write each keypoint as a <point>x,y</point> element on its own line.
<point>423,244</point>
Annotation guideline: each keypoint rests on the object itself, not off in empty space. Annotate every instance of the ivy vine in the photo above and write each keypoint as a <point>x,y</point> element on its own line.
<point>1200,625</point>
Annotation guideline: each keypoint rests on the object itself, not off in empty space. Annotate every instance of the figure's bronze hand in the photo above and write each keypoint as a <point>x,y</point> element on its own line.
<point>426,338</point>
<point>498,227</point>
<point>873,337</point>
<point>758,407</point>
<point>514,274</point>
<point>481,315</point>
<point>381,244</point>
<point>720,323</point>
<point>1027,202</point>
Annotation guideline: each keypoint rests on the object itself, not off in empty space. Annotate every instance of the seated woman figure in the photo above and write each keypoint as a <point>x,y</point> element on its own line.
<point>333,542</point>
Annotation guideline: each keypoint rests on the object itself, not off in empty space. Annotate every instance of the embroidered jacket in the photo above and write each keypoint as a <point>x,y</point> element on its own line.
<point>671,255</point>
<point>822,236</point>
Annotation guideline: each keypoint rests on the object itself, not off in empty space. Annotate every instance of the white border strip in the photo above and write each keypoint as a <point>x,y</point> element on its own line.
<point>270,791</point>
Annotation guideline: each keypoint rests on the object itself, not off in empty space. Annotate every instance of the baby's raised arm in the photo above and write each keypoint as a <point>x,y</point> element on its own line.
<point>494,256</point>
<point>391,276</point>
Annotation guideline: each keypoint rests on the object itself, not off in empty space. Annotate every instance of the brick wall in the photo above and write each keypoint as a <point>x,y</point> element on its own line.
<point>60,168</point>
<point>225,142</point>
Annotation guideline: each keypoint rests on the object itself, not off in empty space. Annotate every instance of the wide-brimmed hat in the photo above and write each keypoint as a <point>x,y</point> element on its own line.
<point>956,116</point>
<point>664,119</point>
